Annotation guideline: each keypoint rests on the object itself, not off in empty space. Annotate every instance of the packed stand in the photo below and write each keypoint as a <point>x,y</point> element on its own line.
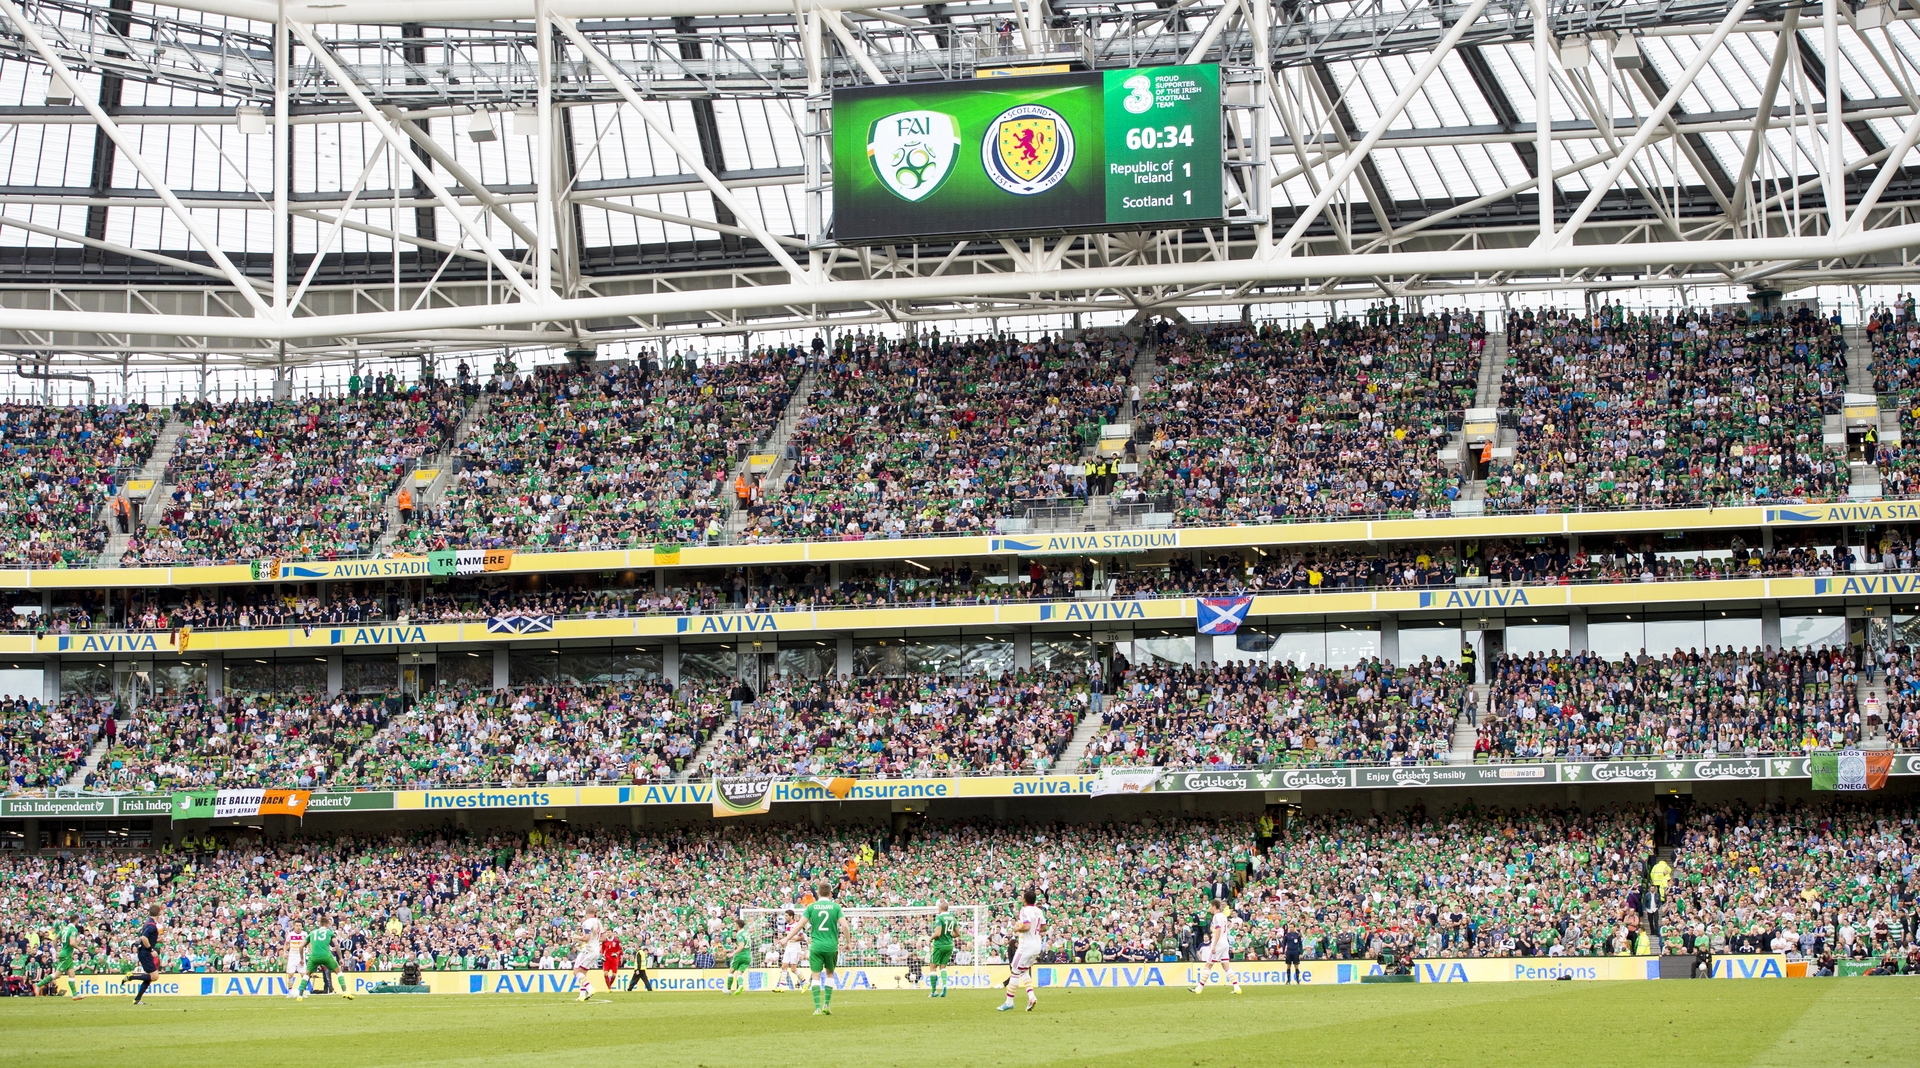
<point>636,732</point>
<point>1237,715</point>
<point>614,457</point>
<point>1828,883</point>
<point>42,746</point>
<point>1281,423</point>
<point>1500,883</point>
<point>58,468</point>
<point>1683,704</point>
<point>1893,334</point>
<point>905,727</point>
<point>928,435</point>
<point>240,741</point>
<point>309,479</point>
<point>1622,410</point>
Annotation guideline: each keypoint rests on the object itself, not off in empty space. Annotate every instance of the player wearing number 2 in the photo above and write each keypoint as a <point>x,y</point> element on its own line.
<point>823,922</point>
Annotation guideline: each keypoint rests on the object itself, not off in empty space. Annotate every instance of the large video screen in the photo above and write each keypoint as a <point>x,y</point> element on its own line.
<point>1118,149</point>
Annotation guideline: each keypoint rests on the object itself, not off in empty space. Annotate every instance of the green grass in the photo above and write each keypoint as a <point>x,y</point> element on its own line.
<point>1791,1023</point>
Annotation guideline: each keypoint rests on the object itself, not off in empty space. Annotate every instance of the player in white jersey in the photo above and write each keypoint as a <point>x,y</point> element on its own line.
<point>1031,941</point>
<point>588,957</point>
<point>1218,952</point>
<point>296,962</point>
<point>793,952</point>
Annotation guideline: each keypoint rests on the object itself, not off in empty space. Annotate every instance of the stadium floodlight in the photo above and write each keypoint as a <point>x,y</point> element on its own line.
<point>480,127</point>
<point>59,91</point>
<point>1626,53</point>
<point>1575,53</point>
<point>878,937</point>
<point>250,119</point>
<point>1871,15</point>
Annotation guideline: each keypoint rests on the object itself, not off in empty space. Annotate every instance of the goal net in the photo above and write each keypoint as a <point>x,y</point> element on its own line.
<point>896,937</point>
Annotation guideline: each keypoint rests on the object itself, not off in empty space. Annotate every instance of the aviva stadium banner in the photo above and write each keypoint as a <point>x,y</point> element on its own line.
<point>1163,974</point>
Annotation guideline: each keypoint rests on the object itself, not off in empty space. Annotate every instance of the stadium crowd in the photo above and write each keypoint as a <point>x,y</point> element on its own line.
<point>636,732</point>
<point>928,435</point>
<point>1272,423</point>
<point>1244,714</point>
<point>608,458</point>
<point>1825,881</point>
<point>1718,702</point>
<point>240,740</point>
<point>42,745</point>
<point>309,479</point>
<point>61,465</point>
<point>1623,410</point>
<point>909,727</point>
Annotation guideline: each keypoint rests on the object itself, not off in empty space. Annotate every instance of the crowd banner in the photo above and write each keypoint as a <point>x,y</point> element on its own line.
<point>461,562</point>
<point>1850,769</point>
<point>233,804</point>
<point>1115,975</point>
<point>742,797</point>
<point>1124,782</point>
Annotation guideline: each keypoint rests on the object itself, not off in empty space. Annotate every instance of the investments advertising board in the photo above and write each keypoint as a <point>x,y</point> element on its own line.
<point>1104,150</point>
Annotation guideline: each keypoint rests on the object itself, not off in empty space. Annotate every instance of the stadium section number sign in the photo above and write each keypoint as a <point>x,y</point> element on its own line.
<point>1108,150</point>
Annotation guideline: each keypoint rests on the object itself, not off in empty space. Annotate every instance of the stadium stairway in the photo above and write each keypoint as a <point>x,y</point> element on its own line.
<point>96,754</point>
<point>1859,361</point>
<point>1076,750</point>
<point>155,468</point>
<point>688,773</point>
<point>776,444</point>
<point>1493,368</point>
<point>1465,733</point>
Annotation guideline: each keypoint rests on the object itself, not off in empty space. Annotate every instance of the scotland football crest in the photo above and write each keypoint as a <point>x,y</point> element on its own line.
<point>912,152</point>
<point>1027,150</point>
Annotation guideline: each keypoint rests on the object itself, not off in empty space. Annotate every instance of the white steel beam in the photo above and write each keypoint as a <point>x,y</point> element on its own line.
<point>147,171</point>
<point>1481,261</point>
<point>1354,158</point>
<point>690,157</point>
<point>402,148</point>
<point>1653,122</point>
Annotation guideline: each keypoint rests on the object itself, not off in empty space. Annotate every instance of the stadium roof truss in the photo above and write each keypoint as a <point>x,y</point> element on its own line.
<point>188,186</point>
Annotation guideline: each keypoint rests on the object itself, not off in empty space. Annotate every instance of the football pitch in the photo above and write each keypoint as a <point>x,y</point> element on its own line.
<point>1864,1023</point>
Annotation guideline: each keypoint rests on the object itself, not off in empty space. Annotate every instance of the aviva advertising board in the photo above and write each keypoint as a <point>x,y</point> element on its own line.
<point>1110,149</point>
<point>1148,975</point>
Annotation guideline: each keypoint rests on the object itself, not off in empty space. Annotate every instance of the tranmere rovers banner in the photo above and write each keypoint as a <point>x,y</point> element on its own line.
<point>230,804</point>
<point>1170,975</point>
<point>468,561</point>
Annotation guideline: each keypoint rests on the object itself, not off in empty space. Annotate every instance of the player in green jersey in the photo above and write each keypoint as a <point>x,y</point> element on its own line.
<point>743,946</point>
<point>64,934</point>
<point>320,954</point>
<point>823,922</point>
<point>944,923</point>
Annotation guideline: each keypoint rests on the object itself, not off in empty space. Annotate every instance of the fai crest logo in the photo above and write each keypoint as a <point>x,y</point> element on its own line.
<point>1027,150</point>
<point>912,152</point>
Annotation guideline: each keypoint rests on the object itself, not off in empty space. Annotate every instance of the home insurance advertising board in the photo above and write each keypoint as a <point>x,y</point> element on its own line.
<point>1115,149</point>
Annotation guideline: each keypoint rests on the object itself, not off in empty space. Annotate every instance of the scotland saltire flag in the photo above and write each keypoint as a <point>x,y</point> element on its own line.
<point>519,623</point>
<point>1222,615</point>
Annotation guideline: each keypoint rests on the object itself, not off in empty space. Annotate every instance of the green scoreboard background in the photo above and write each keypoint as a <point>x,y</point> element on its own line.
<point>1118,149</point>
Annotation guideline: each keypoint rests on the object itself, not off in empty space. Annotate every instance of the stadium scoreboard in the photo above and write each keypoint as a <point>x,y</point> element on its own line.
<point>1108,150</point>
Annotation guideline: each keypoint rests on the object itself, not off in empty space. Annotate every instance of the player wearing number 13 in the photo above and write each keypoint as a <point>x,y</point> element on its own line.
<point>823,922</point>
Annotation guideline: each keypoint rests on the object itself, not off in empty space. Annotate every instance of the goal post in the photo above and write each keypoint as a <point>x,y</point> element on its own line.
<point>883,937</point>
